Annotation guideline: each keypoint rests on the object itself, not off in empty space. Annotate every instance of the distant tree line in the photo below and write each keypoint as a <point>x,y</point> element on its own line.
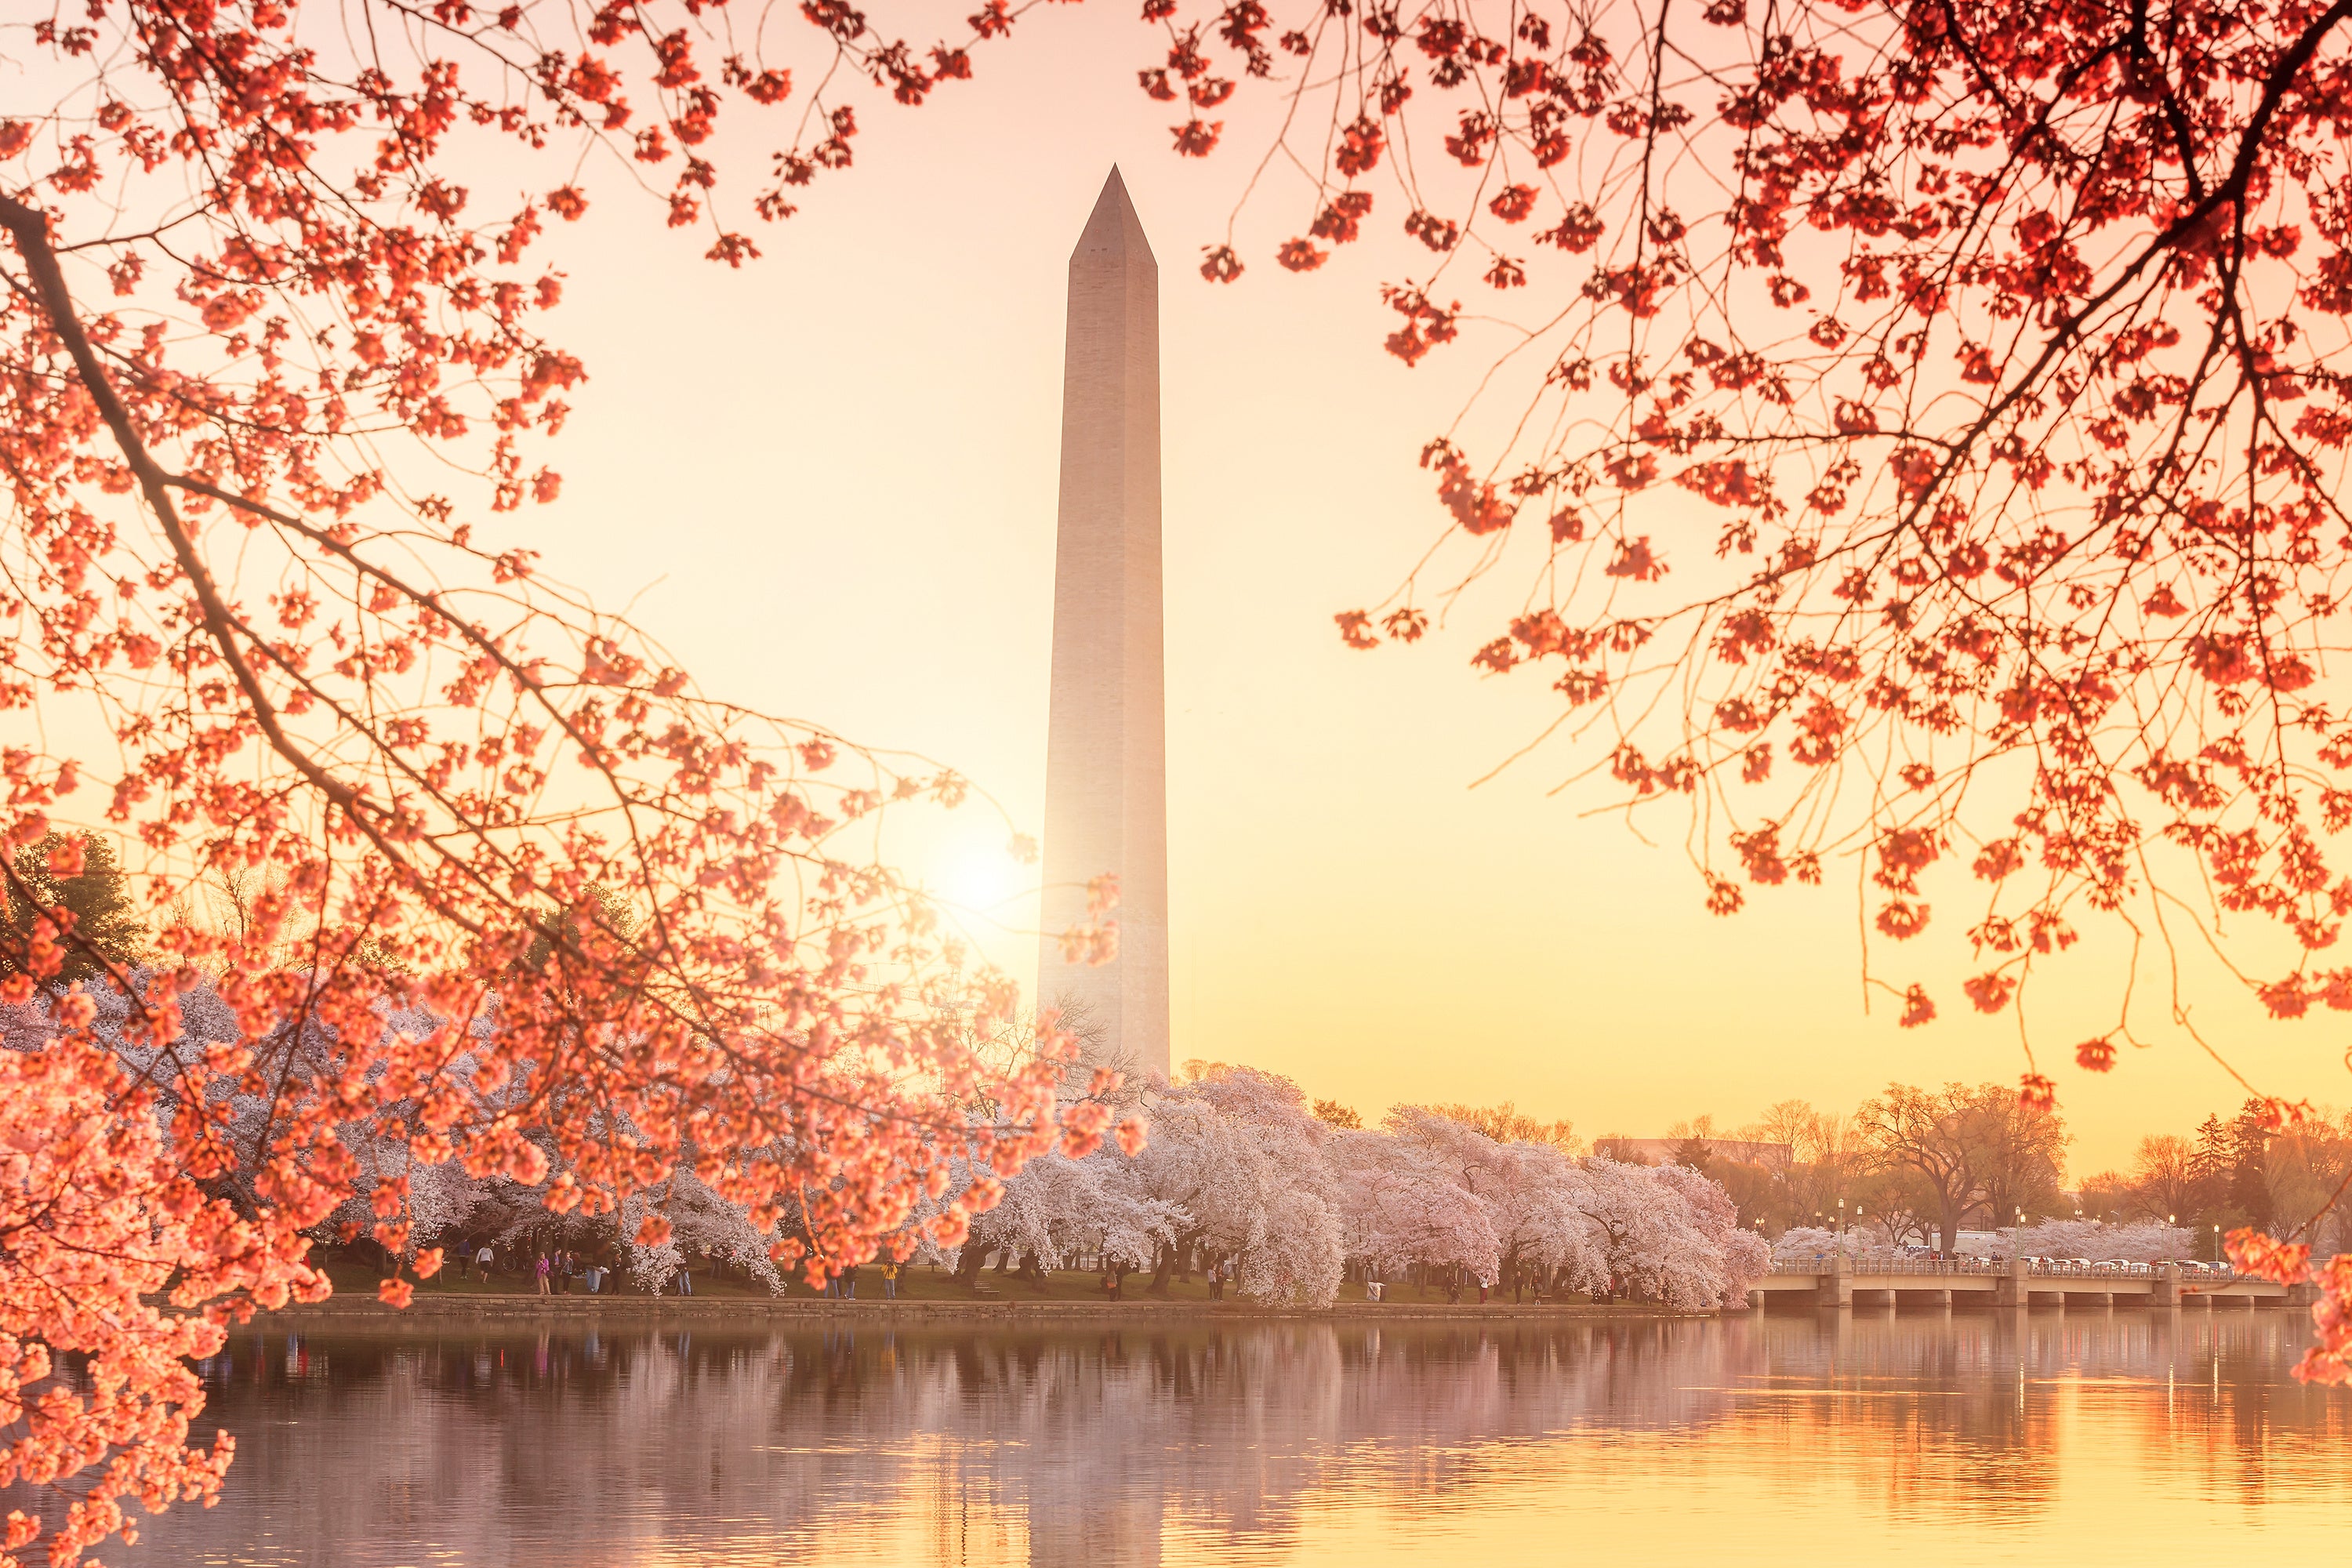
<point>2232,1172</point>
<point>1921,1165</point>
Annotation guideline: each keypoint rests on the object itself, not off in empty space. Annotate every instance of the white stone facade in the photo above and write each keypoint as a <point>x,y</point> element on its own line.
<point>1106,761</point>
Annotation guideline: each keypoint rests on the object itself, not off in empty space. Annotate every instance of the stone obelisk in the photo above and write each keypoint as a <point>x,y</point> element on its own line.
<point>1106,755</point>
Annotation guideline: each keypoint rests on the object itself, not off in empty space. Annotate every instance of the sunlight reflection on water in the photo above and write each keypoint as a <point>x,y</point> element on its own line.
<point>1940,1439</point>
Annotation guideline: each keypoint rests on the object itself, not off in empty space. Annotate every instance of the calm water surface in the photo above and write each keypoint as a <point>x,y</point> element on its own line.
<point>2121,1439</point>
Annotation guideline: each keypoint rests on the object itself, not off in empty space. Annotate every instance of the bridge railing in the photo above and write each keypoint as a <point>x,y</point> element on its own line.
<point>1819,1264</point>
<point>2035,1267</point>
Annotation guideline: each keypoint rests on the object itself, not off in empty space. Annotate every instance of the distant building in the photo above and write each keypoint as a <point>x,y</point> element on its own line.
<point>1672,1151</point>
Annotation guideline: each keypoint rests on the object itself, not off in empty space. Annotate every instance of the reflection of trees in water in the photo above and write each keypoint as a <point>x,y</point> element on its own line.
<point>1971,1417</point>
<point>2226,1401</point>
<point>517,1449</point>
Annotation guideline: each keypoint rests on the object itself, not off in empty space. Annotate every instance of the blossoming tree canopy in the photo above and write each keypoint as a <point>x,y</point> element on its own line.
<point>1237,1171</point>
<point>273,367</point>
<point>2051,375</point>
<point>1973,372</point>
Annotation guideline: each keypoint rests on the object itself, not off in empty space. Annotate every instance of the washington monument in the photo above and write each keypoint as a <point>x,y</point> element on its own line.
<point>1105,753</point>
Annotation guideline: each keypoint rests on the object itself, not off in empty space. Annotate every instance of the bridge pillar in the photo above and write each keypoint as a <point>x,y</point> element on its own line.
<point>1941,1297</point>
<point>1833,1287</point>
<point>2303,1296</point>
<point>2164,1289</point>
<point>2011,1290</point>
<point>2106,1299</point>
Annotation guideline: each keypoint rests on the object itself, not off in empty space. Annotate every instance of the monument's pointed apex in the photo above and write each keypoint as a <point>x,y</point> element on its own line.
<point>1113,227</point>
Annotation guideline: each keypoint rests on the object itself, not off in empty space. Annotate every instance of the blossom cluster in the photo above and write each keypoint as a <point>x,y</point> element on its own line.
<point>1238,1169</point>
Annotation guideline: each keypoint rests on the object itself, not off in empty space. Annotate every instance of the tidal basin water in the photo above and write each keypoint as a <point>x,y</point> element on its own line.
<point>2121,1437</point>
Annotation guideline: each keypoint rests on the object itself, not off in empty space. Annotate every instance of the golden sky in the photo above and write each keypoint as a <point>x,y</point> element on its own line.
<point>828,481</point>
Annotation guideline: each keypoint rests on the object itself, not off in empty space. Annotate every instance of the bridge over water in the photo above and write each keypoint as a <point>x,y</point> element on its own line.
<point>1833,1280</point>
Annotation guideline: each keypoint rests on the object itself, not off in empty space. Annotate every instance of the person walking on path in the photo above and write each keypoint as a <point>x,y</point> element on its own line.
<point>542,1275</point>
<point>685,1283</point>
<point>482,1263</point>
<point>849,1283</point>
<point>890,1281</point>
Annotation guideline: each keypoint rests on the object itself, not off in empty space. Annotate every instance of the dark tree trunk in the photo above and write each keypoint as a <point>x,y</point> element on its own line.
<point>1947,1228</point>
<point>969,1263</point>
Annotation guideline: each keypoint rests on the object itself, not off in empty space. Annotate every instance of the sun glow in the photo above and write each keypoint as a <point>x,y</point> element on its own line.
<point>983,879</point>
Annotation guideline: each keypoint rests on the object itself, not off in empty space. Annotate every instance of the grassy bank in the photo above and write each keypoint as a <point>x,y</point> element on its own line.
<point>924,1290</point>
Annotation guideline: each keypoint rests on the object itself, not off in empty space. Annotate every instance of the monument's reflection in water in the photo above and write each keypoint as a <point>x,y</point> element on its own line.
<point>1963,1438</point>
